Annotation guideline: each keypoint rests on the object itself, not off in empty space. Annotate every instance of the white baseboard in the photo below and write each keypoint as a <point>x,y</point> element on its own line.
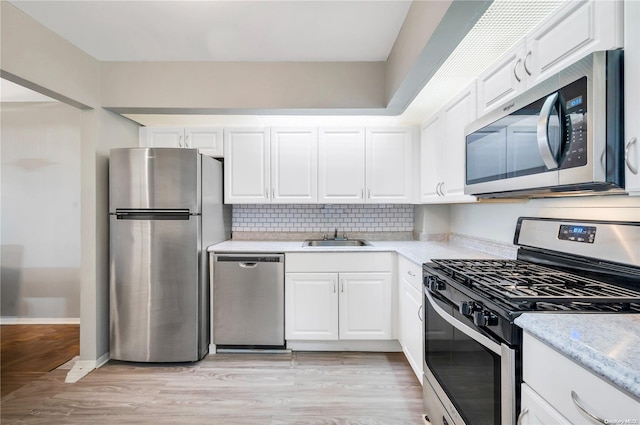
<point>351,345</point>
<point>10,320</point>
<point>83,367</point>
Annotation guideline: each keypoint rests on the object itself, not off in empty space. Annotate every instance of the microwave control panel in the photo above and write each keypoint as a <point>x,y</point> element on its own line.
<point>574,98</point>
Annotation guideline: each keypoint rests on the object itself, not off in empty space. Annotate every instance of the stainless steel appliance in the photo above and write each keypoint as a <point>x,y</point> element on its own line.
<point>248,300</point>
<point>565,134</point>
<point>473,349</point>
<point>165,208</point>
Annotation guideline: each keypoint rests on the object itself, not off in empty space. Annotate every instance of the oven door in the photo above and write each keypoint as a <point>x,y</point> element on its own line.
<point>469,377</point>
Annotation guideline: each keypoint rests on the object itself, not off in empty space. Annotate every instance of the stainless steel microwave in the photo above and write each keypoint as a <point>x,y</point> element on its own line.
<point>562,136</point>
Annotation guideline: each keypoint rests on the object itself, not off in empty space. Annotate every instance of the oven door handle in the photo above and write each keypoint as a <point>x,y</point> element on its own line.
<point>465,329</point>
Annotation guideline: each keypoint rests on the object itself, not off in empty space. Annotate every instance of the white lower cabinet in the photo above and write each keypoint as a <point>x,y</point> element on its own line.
<point>557,390</point>
<point>311,305</point>
<point>330,296</point>
<point>410,297</point>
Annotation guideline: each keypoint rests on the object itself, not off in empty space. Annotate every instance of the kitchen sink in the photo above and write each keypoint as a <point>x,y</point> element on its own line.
<point>336,242</point>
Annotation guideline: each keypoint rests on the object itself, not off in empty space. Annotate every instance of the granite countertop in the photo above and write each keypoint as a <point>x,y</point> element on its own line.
<point>416,251</point>
<point>606,344</point>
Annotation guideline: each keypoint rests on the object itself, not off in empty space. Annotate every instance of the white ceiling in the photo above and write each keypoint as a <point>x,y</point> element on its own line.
<point>204,30</point>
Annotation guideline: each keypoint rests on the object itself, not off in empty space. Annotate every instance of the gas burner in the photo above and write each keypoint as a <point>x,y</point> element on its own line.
<point>518,280</point>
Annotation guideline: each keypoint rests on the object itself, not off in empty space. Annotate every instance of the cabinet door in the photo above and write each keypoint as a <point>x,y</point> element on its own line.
<point>207,140</point>
<point>456,115</point>
<point>430,145</point>
<point>411,324</point>
<point>341,156</point>
<point>162,137</point>
<point>631,94</point>
<point>574,31</point>
<point>388,165</point>
<point>365,306</point>
<point>503,81</point>
<point>246,168</point>
<point>311,306</point>
<point>294,165</point>
<point>536,411</point>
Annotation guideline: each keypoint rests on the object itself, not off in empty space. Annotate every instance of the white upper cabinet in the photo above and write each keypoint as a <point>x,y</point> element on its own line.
<point>455,117</point>
<point>247,166</point>
<point>294,165</point>
<point>388,167</point>
<point>430,161</point>
<point>208,140</point>
<point>576,29</point>
<point>631,96</point>
<point>443,144</point>
<point>341,162</point>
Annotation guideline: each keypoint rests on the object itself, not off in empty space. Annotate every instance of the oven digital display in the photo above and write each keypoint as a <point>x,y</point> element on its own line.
<point>586,234</point>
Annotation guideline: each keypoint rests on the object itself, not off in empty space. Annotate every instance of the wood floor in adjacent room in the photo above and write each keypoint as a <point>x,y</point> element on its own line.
<point>28,352</point>
<point>229,389</point>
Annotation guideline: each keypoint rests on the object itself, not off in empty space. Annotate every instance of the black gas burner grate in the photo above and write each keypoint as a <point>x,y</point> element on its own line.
<point>521,281</point>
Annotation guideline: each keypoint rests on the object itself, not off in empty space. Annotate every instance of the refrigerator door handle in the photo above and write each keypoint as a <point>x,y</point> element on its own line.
<point>133,214</point>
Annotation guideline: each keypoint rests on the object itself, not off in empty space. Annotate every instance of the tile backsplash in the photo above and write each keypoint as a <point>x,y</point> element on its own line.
<point>322,218</point>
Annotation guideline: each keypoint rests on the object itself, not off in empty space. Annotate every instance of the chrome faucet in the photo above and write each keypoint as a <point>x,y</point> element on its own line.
<point>335,236</point>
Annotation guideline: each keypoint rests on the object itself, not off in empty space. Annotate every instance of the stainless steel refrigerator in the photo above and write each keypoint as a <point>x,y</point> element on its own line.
<point>165,208</point>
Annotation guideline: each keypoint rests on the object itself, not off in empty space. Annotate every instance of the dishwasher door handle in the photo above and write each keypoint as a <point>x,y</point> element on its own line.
<point>248,265</point>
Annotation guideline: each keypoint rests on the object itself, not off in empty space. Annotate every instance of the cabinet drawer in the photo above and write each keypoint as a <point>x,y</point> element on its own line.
<point>410,271</point>
<point>554,376</point>
<point>338,262</point>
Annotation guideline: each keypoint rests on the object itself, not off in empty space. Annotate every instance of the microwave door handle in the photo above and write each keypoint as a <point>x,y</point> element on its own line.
<point>543,132</point>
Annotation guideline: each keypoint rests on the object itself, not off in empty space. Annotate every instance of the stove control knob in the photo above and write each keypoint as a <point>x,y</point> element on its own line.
<point>484,318</point>
<point>435,284</point>
<point>467,308</point>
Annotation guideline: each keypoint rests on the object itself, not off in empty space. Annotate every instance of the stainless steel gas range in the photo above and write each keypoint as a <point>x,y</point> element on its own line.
<point>473,349</point>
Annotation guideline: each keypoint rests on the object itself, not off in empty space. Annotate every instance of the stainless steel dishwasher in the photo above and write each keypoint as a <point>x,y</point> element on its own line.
<point>248,300</point>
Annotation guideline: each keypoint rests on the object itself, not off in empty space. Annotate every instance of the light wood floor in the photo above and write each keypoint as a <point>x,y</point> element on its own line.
<point>31,351</point>
<point>229,389</point>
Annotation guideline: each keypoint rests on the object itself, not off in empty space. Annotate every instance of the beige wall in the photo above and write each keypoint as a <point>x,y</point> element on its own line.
<point>421,22</point>
<point>219,87</point>
<point>40,209</point>
<point>35,57</point>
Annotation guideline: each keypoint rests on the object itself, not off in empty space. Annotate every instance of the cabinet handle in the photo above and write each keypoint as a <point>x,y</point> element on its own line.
<point>410,273</point>
<point>526,58</point>
<point>627,156</point>
<point>438,189</point>
<point>180,141</point>
<point>342,286</point>
<point>361,193</point>
<point>186,141</point>
<point>521,415</point>
<point>369,193</point>
<point>273,193</point>
<point>442,193</point>
<point>515,69</point>
<point>266,193</point>
<point>420,314</point>
<point>334,287</point>
<point>576,401</point>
